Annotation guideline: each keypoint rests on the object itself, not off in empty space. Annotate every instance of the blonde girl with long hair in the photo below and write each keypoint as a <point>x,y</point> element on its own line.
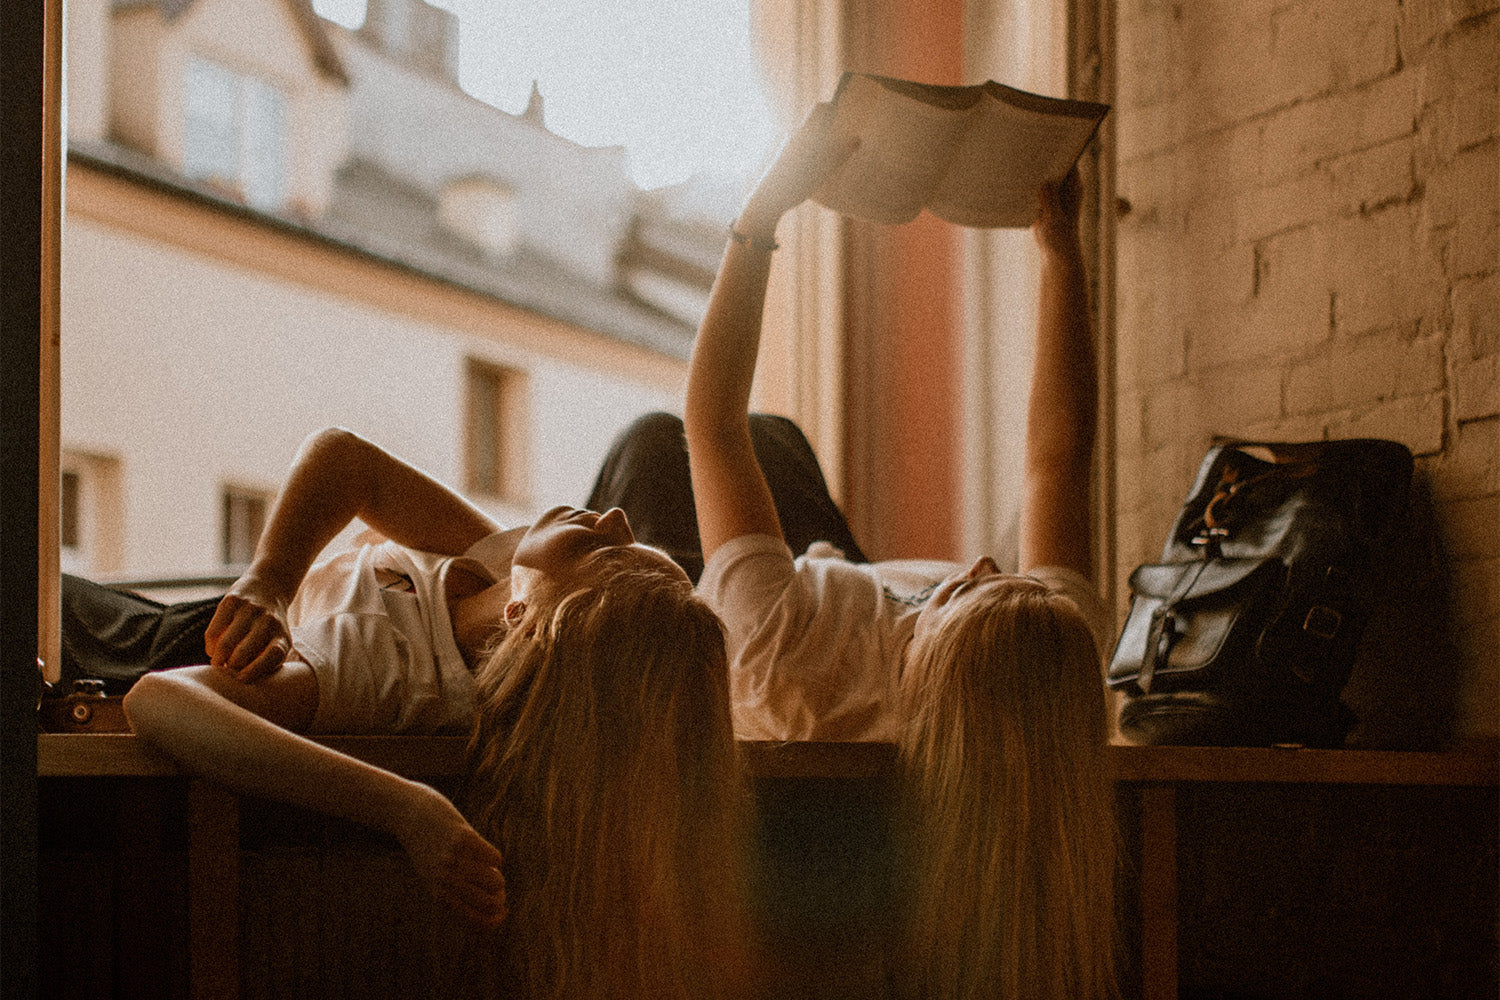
<point>604,755</point>
<point>989,682</point>
<point>594,684</point>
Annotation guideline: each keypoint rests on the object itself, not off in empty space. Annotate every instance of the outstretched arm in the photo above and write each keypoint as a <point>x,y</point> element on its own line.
<point>336,477</point>
<point>232,733</point>
<point>729,488</point>
<point>1063,405</point>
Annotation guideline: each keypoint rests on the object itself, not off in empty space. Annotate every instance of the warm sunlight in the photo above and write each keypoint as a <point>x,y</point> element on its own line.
<point>676,84</point>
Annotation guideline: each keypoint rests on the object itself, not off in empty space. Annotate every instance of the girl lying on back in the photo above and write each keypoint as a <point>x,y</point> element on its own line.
<point>990,682</point>
<point>594,682</point>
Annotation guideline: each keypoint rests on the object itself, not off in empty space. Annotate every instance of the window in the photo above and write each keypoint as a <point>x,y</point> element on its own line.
<point>235,133</point>
<point>481,212</point>
<point>244,520</point>
<point>91,514</point>
<point>496,449</point>
<point>71,532</point>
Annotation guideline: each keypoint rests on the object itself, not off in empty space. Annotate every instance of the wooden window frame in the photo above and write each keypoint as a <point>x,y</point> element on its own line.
<point>31,120</point>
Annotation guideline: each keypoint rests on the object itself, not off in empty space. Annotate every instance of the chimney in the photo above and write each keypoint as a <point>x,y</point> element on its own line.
<point>415,33</point>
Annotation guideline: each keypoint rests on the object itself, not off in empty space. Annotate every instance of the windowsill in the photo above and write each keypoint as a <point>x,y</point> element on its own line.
<point>122,754</point>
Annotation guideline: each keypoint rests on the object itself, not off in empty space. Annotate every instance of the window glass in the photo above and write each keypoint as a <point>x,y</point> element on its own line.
<point>481,212</point>
<point>264,144</point>
<point>235,133</point>
<point>210,149</point>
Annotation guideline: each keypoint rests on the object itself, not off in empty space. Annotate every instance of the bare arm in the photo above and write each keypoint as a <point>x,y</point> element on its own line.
<point>729,487</point>
<point>336,477</point>
<point>1063,405</point>
<point>217,727</point>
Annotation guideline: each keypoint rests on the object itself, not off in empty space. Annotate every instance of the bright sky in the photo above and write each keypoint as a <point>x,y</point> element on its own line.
<point>673,81</point>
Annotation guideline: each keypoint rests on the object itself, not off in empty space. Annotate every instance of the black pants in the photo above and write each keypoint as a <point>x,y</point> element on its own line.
<point>119,636</point>
<point>645,474</point>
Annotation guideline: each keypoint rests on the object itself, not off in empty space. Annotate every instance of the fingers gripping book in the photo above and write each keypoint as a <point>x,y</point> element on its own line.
<point>974,155</point>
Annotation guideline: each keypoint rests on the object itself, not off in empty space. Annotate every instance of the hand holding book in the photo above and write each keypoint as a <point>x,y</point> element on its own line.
<point>808,158</point>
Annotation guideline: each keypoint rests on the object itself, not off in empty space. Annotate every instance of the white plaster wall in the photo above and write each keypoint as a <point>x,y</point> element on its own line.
<point>196,374</point>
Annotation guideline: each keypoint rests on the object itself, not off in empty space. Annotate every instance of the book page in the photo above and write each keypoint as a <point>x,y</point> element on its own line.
<point>1010,150</point>
<point>904,146</point>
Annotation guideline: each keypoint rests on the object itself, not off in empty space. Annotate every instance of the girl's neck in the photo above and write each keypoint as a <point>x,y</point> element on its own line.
<point>476,608</point>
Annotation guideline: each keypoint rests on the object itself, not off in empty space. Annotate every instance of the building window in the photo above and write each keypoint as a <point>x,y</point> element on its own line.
<point>244,520</point>
<point>71,530</point>
<point>90,514</point>
<point>496,452</point>
<point>235,133</point>
<point>480,212</point>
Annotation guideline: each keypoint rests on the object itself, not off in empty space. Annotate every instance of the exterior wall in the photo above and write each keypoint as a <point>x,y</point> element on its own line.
<point>188,340</point>
<point>1310,252</point>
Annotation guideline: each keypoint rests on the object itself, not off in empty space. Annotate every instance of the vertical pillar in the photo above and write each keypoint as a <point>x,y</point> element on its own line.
<point>213,891</point>
<point>1159,892</point>
<point>904,338</point>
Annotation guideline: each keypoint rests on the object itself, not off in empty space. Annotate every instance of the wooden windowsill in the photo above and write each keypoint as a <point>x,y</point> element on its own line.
<point>103,755</point>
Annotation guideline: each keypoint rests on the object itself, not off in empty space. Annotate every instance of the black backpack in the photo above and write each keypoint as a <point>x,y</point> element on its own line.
<point>1245,633</point>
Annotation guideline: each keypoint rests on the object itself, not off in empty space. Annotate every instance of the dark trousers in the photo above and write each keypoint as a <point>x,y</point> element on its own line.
<point>118,636</point>
<point>645,474</point>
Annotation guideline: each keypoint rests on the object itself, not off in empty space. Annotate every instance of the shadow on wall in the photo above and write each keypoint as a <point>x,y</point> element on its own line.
<point>1407,681</point>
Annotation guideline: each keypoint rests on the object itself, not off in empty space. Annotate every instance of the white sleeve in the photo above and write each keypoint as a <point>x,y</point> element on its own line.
<point>746,577</point>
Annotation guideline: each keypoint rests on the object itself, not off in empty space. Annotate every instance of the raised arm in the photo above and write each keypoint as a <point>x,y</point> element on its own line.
<point>1063,405</point>
<point>729,488</point>
<point>336,477</point>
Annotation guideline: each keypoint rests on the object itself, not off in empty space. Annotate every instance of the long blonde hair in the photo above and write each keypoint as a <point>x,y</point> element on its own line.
<point>603,766</point>
<point>1010,835</point>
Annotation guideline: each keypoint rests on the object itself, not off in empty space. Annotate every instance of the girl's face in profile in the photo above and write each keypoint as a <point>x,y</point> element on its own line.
<point>564,542</point>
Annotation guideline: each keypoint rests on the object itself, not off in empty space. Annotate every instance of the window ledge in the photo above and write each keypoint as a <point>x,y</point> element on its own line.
<point>122,754</point>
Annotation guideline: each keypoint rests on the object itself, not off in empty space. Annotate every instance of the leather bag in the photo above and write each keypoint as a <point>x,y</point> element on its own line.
<point>1246,632</point>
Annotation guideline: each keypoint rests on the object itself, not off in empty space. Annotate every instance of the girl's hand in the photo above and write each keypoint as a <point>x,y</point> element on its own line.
<point>1056,227</point>
<point>248,636</point>
<point>806,159</point>
<point>457,865</point>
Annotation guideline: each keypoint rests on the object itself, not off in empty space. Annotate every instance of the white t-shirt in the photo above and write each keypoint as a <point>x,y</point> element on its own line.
<point>815,643</point>
<point>373,623</point>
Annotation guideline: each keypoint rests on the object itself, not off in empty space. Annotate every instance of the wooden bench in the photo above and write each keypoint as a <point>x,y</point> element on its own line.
<point>1154,775</point>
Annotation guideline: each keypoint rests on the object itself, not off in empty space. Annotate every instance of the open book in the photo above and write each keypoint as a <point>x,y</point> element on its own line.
<point>972,155</point>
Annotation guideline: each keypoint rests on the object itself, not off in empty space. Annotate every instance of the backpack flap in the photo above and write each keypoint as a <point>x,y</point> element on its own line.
<point>1189,619</point>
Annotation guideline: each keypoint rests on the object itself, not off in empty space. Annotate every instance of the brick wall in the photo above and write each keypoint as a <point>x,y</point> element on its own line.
<point>1310,251</point>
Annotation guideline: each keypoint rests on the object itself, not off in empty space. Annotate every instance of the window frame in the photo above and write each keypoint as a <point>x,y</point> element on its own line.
<point>506,480</point>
